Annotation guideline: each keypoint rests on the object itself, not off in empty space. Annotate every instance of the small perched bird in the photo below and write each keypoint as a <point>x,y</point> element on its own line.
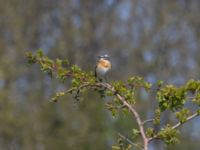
<point>102,67</point>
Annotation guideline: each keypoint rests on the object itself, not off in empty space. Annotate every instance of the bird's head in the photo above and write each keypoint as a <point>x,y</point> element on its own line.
<point>104,57</point>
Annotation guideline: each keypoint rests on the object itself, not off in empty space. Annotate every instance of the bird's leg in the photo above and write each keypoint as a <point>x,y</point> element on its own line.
<point>100,79</point>
<point>106,78</point>
<point>95,74</point>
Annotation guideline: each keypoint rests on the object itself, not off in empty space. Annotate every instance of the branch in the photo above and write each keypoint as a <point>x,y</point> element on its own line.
<point>71,90</point>
<point>176,125</point>
<point>129,141</point>
<point>124,104</point>
<point>131,108</point>
<point>115,107</point>
<point>147,121</point>
<point>189,118</point>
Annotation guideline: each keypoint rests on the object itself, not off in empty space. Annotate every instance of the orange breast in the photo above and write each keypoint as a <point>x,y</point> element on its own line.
<point>104,63</point>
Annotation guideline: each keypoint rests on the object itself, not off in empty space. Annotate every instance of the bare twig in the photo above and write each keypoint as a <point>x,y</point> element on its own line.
<point>147,121</point>
<point>129,141</point>
<point>115,107</point>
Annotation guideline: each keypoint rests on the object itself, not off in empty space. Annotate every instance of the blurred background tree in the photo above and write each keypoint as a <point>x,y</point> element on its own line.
<point>155,39</point>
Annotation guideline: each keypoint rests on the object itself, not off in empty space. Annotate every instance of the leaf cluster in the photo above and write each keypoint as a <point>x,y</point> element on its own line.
<point>183,115</point>
<point>169,135</point>
<point>171,97</point>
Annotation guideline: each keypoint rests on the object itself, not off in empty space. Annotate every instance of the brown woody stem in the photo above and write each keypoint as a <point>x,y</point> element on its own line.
<point>131,109</point>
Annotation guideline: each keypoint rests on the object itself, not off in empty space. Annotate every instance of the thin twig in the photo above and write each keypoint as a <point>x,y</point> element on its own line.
<point>188,118</point>
<point>147,121</point>
<point>129,141</point>
<point>71,90</point>
<point>176,125</point>
<point>115,107</point>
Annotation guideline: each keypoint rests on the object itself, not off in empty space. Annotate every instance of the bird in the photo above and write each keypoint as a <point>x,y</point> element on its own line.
<point>102,67</point>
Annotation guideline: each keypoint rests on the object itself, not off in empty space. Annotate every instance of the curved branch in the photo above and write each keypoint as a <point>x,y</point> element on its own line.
<point>131,109</point>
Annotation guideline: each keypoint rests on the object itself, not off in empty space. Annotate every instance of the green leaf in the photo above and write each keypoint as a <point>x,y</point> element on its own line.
<point>169,135</point>
<point>40,53</point>
<point>156,120</point>
<point>31,58</point>
<point>135,132</point>
<point>116,148</point>
<point>114,112</point>
<point>193,85</point>
<point>196,99</point>
<point>171,97</point>
<point>58,95</point>
<point>159,83</point>
<point>150,132</point>
<point>198,111</point>
<point>183,115</point>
